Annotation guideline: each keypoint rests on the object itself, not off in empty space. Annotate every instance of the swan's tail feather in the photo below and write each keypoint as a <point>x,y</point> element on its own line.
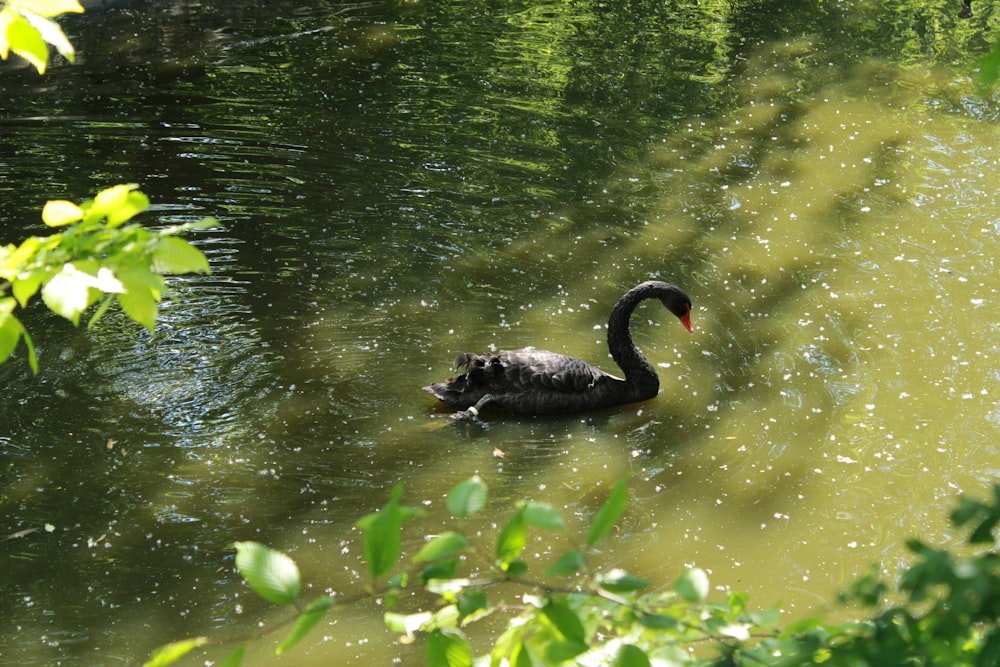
<point>463,391</point>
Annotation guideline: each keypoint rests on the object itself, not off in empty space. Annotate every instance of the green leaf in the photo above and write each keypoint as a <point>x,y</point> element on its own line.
<point>441,546</point>
<point>32,357</point>
<point>448,647</point>
<point>989,656</point>
<point>13,263</point>
<point>26,287</point>
<point>141,307</point>
<point>392,589</point>
<point>204,223</point>
<point>737,602</point>
<point>516,568</point>
<point>6,16</point>
<point>692,585</point>
<point>766,619</point>
<point>631,656</point>
<point>383,534</point>
<point>737,631</point>
<point>69,293</point>
<point>50,31</point>
<point>657,621</point>
<point>106,281</point>
<point>542,515</point>
<point>10,328</point>
<point>568,564</point>
<point>168,654</point>
<point>175,255</point>
<point>447,586</point>
<point>472,600</point>
<point>100,310</point>
<point>108,203</point>
<point>674,656</point>
<point>407,624</point>
<point>570,635</point>
<point>271,574</point>
<point>24,40</point>
<point>620,581</point>
<point>509,647</point>
<point>309,617</point>
<point>801,627</point>
<point>987,515</point>
<point>512,540</point>
<point>968,509</point>
<point>142,294</point>
<point>443,569</point>
<point>564,619</point>
<point>135,203</point>
<point>59,212</point>
<point>467,498</point>
<point>235,657</point>
<point>989,70</point>
<point>610,512</point>
<point>521,656</point>
<point>445,617</point>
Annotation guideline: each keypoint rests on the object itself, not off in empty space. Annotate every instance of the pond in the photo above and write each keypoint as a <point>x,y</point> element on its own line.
<point>397,183</point>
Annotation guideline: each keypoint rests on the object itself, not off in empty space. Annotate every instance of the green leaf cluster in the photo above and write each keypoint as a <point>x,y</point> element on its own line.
<point>950,614</point>
<point>569,615</point>
<point>27,29</point>
<point>96,259</point>
<point>384,534</point>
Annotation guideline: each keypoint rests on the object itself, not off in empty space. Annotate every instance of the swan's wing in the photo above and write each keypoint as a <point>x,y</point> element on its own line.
<point>526,381</point>
<point>541,369</point>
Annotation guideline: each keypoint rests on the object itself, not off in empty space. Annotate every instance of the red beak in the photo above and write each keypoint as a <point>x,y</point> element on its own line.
<point>686,321</point>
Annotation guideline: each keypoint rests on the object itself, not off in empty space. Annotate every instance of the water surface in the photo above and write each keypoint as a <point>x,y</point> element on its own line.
<point>396,185</point>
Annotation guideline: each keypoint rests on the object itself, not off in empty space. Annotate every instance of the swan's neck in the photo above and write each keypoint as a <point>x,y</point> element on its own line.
<point>638,372</point>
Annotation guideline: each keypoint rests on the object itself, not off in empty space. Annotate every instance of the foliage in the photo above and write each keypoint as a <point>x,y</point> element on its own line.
<point>573,615</point>
<point>27,28</point>
<point>989,69</point>
<point>98,258</point>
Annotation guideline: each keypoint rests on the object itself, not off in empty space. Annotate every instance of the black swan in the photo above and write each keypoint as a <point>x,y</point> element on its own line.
<point>531,381</point>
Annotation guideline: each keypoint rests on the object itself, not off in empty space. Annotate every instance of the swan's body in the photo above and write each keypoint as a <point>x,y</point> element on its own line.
<point>533,381</point>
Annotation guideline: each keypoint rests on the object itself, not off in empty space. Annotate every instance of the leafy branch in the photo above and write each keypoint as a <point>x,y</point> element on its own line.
<point>950,616</point>
<point>98,260</point>
<point>554,622</point>
<point>27,29</point>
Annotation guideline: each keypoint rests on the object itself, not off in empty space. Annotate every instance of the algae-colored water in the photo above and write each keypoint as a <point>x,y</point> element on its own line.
<point>397,185</point>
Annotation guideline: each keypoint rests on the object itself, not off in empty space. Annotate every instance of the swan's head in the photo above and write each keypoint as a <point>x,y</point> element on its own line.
<point>678,303</point>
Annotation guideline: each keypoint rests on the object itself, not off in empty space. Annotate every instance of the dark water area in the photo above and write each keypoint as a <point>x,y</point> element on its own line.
<point>398,182</point>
